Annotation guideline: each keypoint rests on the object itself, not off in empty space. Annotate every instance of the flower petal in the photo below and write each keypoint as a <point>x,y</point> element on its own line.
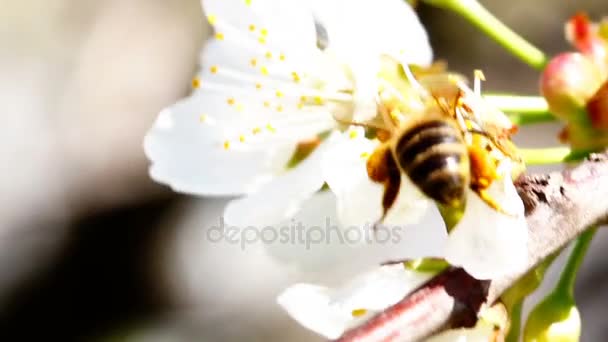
<point>379,289</point>
<point>192,158</point>
<point>282,197</point>
<point>310,306</point>
<point>330,312</point>
<point>486,243</point>
<point>374,28</point>
<point>263,21</point>
<point>359,200</point>
<point>479,333</point>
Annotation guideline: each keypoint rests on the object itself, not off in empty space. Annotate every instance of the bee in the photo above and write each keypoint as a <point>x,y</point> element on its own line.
<point>438,140</point>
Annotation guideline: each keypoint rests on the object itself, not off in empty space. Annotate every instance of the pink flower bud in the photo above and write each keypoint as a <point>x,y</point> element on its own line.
<point>567,83</point>
<point>586,37</point>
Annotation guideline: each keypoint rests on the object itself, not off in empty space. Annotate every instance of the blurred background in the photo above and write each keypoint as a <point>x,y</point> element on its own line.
<point>92,250</point>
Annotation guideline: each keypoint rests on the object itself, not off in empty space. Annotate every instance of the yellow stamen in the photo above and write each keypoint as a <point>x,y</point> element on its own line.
<point>196,83</point>
<point>358,312</point>
<point>219,36</point>
<point>226,145</point>
<point>212,19</point>
<point>213,69</point>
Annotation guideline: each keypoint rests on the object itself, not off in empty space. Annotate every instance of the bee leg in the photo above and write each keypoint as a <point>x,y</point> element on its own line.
<point>382,168</point>
<point>391,190</point>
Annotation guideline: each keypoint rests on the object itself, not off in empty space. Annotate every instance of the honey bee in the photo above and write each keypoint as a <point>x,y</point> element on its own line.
<point>437,140</point>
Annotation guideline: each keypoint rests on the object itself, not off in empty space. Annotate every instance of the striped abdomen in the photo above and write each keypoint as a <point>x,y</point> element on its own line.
<point>433,155</point>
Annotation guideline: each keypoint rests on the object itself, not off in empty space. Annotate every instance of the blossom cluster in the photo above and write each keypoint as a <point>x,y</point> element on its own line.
<point>281,109</point>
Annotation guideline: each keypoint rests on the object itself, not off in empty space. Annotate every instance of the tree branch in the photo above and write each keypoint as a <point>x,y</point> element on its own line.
<point>559,206</point>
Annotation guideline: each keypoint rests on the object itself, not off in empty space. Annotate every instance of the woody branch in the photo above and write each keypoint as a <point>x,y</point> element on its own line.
<point>559,206</point>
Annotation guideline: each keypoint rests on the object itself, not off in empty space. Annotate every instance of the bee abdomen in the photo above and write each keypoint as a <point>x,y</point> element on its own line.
<point>434,157</point>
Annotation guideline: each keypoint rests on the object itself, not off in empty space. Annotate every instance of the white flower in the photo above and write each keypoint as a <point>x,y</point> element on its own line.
<point>265,86</point>
<point>488,243</point>
<point>330,312</point>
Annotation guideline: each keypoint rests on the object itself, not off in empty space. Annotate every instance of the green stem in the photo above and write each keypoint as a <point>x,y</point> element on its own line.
<point>543,156</point>
<point>566,281</point>
<point>522,110</point>
<point>475,13</point>
<point>518,103</point>
<point>515,326</point>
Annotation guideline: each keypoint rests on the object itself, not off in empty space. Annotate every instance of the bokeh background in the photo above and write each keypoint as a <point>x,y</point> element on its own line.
<point>92,250</point>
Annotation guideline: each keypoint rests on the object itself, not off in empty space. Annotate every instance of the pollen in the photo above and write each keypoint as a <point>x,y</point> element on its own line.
<point>319,100</point>
<point>258,86</point>
<point>248,2</point>
<point>300,105</point>
<point>241,138</point>
<point>279,94</point>
<point>364,155</point>
<point>262,40</point>
<point>303,98</point>
<point>358,312</point>
<point>196,83</point>
<point>251,27</point>
<point>295,76</point>
<point>213,69</point>
<point>202,118</point>
<point>268,55</point>
<point>264,32</point>
<point>352,134</point>
<point>271,128</point>
<point>256,130</point>
<point>239,107</point>
<point>264,71</point>
<point>230,101</point>
<point>282,57</point>
<point>253,62</point>
<point>212,19</point>
<point>279,108</point>
<point>266,104</point>
<point>219,36</point>
<point>226,145</point>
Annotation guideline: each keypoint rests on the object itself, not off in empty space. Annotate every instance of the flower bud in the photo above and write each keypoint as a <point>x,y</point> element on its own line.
<point>597,108</point>
<point>567,83</point>
<point>587,38</point>
<point>555,319</point>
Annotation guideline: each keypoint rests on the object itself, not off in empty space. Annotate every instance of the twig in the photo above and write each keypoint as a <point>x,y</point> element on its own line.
<point>559,206</point>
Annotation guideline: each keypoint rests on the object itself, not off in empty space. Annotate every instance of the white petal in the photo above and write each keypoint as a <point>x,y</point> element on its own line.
<point>379,289</point>
<point>410,206</point>
<point>359,200</point>
<point>284,22</point>
<point>488,244</point>
<point>329,311</point>
<point>187,157</point>
<point>480,333</point>
<point>282,197</point>
<point>356,27</point>
<point>310,306</point>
